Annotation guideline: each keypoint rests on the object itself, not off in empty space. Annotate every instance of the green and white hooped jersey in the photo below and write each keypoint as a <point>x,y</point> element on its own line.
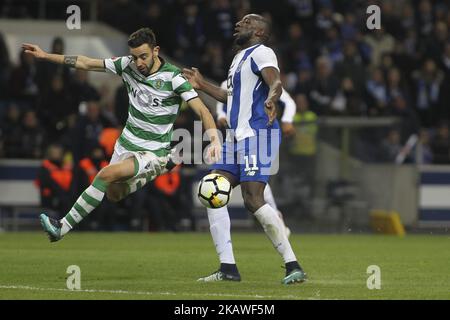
<point>154,103</point>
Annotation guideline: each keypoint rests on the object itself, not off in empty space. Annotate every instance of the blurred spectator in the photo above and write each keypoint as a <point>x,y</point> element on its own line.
<point>377,95</point>
<point>391,19</point>
<point>440,145</point>
<point>348,27</point>
<point>425,18</point>
<point>434,45</point>
<point>23,82</point>
<point>66,139</point>
<point>88,131</point>
<point>154,19</point>
<point>324,20</point>
<point>107,140</point>
<point>428,82</point>
<point>332,45</point>
<point>305,120</point>
<point>379,42</point>
<point>213,61</point>
<point>302,149</point>
<point>81,89</point>
<point>221,21</point>
<point>304,82</point>
<point>294,49</point>
<point>125,15</point>
<point>54,180</point>
<point>444,61</point>
<point>107,106</point>
<point>409,122</point>
<point>6,68</point>
<point>395,85</point>
<point>347,100</point>
<point>324,86</point>
<point>391,146</point>
<point>55,106</point>
<point>242,8</point>
<point>11,132</point>
<point>423,153</point>
<point>407,20</point>
<point>46,71</point>
<point>386,63</point>
<point>405,57</point>
<point>32,137</point>
<point>190,35</point>
<point>351,66</point>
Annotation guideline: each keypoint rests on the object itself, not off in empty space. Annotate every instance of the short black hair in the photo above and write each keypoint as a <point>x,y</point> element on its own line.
<point>141,36</point>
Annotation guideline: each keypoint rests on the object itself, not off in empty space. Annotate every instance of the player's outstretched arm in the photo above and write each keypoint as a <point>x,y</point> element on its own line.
<point>215,150</point>
<point>271,77</point>
<point>77,62</point>
<point>199,83</point>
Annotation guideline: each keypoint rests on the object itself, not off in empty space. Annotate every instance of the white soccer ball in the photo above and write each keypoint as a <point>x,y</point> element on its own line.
<point>214,191</point>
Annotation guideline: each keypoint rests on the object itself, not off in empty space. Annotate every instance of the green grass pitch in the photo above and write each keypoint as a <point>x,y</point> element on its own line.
<point>166,266</point>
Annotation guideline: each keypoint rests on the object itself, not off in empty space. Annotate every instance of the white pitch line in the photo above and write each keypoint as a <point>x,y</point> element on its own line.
<point>148,293</point>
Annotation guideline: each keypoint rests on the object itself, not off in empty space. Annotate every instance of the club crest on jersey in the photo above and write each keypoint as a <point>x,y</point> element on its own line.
<point>158,83</point>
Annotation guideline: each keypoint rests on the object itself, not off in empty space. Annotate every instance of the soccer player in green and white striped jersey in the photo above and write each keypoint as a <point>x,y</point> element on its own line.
<point>155,90</point>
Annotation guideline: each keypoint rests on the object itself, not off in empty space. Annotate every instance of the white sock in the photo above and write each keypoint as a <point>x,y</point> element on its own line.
<point>268,197</point>
<point>66,227</point>
<point>219,225</point>
<point>275,231</point>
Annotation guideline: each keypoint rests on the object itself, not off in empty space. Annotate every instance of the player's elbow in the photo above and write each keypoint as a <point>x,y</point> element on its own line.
<point>85,63</point>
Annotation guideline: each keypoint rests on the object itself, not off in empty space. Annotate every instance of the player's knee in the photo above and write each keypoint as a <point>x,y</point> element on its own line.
<point>107,174</point>
<point>253,202</point>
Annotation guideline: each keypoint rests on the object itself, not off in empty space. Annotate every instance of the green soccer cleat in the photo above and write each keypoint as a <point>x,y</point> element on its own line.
<point>295,276</point>
<point>52,227</point>
<point>220,276</point>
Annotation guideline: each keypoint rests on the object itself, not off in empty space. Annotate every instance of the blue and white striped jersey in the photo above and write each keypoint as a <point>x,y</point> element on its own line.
<point>247,91</point>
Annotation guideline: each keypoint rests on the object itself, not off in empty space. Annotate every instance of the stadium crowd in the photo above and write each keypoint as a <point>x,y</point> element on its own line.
<point>330,63</point>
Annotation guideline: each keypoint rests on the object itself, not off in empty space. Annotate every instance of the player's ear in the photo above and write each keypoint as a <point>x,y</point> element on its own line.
<point>259,32</point>
<point>156,50</point>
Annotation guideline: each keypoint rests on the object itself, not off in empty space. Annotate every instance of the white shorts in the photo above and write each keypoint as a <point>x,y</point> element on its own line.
<point>149,163</point>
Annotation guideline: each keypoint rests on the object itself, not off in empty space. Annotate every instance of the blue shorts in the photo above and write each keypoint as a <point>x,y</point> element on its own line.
<point>253,158</point>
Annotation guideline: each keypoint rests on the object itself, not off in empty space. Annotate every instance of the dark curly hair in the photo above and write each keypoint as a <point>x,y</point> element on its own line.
<point>141,36</point>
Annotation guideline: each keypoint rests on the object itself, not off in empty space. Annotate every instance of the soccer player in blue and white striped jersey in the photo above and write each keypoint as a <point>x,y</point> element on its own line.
<point>253,90</point>
<point>289,109</point>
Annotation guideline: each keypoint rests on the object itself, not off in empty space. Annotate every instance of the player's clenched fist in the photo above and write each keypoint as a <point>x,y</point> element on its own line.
<point>271,110</point>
